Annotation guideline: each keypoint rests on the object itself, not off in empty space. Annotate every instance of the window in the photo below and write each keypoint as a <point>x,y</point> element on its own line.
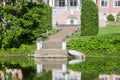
<point>59,3</point>
<point>104,3</point>
<point>104,78</point>
<point>117,78</point>
<point>7,0</point>
<point>117,3</point>
<point>73,2</point>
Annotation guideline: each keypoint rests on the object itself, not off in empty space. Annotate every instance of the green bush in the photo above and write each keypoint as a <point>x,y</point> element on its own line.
<point>89,18</point>
<point>118,17</point>
<point>110,17</point>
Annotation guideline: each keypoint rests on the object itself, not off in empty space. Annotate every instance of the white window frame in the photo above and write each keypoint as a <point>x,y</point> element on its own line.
<point>73,2</point>
<point>114,3</point>
<point>116,77</point>
<point>104,77</point>
<point>104,6</point>
<point>57,3</point>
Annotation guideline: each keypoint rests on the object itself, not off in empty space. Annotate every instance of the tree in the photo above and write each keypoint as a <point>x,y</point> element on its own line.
<point>110,17</point>
<point>89,18</point>
<point>24,23</point>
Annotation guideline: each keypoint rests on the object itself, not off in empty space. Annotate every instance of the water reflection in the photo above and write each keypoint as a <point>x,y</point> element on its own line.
<point>16,74</point>
<point>109,77</point>
<point>2,77</point>
<point>58,68</point>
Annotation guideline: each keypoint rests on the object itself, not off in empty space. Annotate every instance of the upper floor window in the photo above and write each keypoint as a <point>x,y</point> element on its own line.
<point>104,3</point>
<point>117,3</point>
<point>73,2</point>
<point>59,3</point>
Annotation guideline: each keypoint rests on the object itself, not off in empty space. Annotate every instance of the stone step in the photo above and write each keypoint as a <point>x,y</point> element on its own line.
<point>50,61</point>
<point>52,66</point>
<point>52,45</point>
<point>51,53</point>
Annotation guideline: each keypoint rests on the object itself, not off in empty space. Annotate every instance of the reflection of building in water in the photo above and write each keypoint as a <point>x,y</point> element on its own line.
<point>15,73</point>
<point>109,77</point>
<point>58,68</point>
<point>69,75</point>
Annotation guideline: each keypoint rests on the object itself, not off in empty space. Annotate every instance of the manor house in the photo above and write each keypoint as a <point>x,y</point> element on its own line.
<point>67,12</point>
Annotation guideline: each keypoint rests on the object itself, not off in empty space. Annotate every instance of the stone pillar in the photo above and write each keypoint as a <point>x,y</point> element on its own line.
<point>39,68</point>
<point>4,3</point>
<point>79,76</point>
<point>39,44</point>
<point>66,5</point>
<point>66,77</point>
<point>53,3</point>
<point>94,1</point>
<point>64,68</point>
<point>50,3</point>
<point>78,5</point>
<point>64,44</point>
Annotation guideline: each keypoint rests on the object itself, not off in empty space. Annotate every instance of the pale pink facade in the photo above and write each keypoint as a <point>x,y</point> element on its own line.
<point>65,12</point>
<point>110,8</point>
<point>107,7</point>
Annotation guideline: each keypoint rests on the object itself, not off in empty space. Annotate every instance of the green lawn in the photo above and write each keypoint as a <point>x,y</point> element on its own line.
<point>109,30</point>
<point>102,31</point>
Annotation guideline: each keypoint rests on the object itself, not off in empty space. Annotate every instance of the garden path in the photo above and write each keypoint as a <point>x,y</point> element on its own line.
<point>65,30</point>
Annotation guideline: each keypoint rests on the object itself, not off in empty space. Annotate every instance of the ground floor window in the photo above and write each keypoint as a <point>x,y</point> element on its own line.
<point>73,2</point>
<point>59,3</point>
<point>116,3</point>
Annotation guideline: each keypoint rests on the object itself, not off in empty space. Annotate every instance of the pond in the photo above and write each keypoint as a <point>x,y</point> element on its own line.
<point>59,69</point>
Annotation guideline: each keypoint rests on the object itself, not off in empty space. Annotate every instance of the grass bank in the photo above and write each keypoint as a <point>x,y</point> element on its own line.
<point>106,43</point>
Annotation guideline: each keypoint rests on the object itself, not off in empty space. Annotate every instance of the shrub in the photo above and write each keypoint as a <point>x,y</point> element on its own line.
<point>110,17</point>
<point>107,45</point>
<point>118,17</point>
<point>89,18</point>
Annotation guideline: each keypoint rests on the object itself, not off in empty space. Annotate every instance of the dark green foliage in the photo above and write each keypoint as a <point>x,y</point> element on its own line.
<point>110,17</point>
<point>89,18</point>
<point>107,45</point>
<point>23,23</point>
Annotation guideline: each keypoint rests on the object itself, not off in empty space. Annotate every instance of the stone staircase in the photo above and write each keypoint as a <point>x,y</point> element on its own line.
<point>52,45</point>
<point>51,49</point>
